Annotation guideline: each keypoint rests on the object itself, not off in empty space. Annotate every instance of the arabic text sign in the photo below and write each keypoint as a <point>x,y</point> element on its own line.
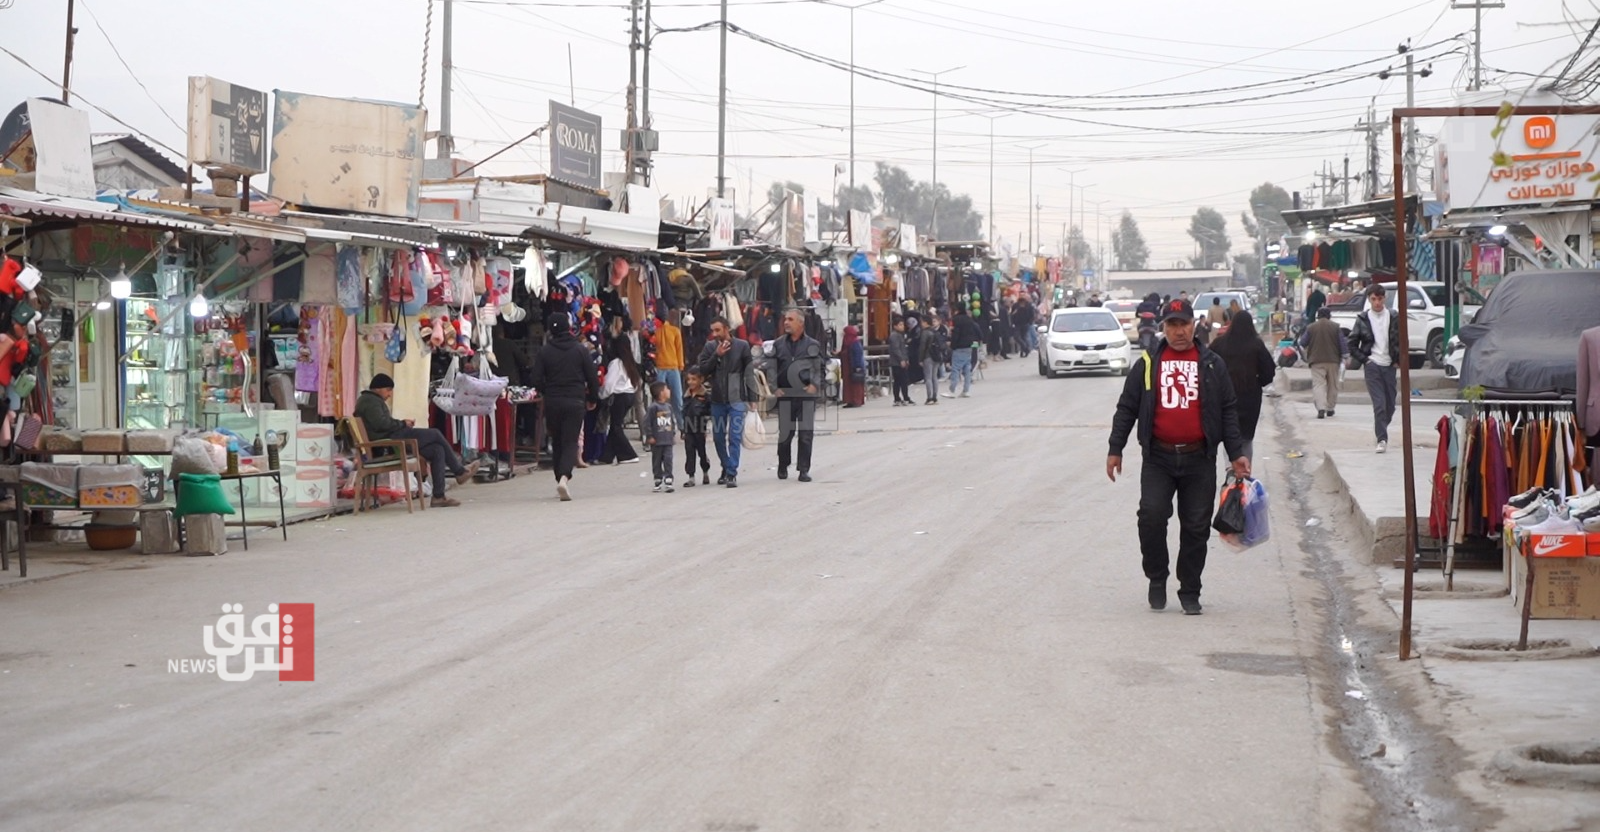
<point>574,146</point>
<point>348,155</point>
<point>282,641</point>
<point>227,126</point>
<point>1533,160</point>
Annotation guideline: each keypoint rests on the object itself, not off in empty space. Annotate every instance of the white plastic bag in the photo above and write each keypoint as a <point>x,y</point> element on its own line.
<point>755,430</point>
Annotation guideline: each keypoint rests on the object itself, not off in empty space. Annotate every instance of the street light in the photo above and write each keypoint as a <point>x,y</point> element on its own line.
<point>1030,150</point>
<point>853,86</point>
<point>935,231</point>
<point>992,120</point>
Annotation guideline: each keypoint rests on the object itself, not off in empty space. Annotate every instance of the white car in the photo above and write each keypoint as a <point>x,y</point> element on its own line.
<point>1083,340</point>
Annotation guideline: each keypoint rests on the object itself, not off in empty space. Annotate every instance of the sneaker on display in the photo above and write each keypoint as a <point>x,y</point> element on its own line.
<point>1526,498</point>
<point>1556,524</point>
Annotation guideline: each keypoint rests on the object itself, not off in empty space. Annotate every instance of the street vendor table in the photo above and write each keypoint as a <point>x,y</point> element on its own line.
<point>244,523</point>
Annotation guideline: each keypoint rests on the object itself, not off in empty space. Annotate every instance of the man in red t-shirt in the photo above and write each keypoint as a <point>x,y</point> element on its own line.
<point>1182,400</point>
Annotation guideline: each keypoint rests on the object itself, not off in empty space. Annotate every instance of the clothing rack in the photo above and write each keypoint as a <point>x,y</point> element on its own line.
<point>1475,408</point>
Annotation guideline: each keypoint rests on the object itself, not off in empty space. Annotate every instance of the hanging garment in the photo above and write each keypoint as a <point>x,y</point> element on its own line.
<point>350,277</point>
<point>1443,485</point>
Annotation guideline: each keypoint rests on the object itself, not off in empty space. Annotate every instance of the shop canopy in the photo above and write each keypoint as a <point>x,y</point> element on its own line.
<point>32,205</point>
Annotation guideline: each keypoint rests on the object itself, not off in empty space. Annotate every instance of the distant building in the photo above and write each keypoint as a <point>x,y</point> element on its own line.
<point>128,163</point>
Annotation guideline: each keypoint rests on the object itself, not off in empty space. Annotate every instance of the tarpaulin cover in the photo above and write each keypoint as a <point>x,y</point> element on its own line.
<point>1524,342</point>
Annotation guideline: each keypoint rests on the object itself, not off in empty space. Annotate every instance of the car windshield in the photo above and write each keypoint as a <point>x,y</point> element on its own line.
<point>1085,322</point>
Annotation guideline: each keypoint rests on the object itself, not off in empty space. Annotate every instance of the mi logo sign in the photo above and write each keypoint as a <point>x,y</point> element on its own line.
<point>1539,132</point>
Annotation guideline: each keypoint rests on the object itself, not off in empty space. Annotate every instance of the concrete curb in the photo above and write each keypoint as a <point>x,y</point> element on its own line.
<point>1539,650</point>
<point>1529,764</point>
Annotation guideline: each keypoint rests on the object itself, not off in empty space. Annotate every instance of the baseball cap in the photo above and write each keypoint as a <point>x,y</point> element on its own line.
<point>1177,309</point>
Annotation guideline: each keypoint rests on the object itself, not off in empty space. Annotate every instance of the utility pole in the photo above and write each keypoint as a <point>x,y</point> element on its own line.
<point>630,136</point>
<point>1371,127</point>
<point>722,107</point>
<point>853,87</point>
<point>1346,180</point>
<point>1411,124</point>
<point>1030,195</point>
<point>1477,7</point>
<point>66,71</point>
<point>447,142</point>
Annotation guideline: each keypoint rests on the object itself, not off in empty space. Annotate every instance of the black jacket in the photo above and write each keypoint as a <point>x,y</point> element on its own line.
<point>797,364</point>
<point>965,333</point>
<point>564,370</point>
<point>732,376</point>
<point>1361,338</point>
<point>374,413</point>
<point>1219,416</point>
<point>696,414</point>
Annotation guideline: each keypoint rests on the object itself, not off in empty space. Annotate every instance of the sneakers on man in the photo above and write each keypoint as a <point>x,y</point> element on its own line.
<point>667,486</point>
<point>722,480</point>
<point>689,483</point>
<point>444,502</point>
<point>964,395</point>
<point>466,473</point>
<point>783,473</point>
<point>1322,414</point>
<point>564,489</point>
<point>1191,604</point>
<point>657,489</point>
<point>1382,447</point>
<point>733,482</point>
<point>1158,595</point>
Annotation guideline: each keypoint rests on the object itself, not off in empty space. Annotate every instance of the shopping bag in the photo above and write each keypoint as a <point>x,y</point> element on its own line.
<point>755,430</point>
<point>1256,525</point>
<point>1230,516</point>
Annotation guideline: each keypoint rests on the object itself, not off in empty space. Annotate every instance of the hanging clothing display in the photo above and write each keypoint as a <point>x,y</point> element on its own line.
<point>1493,452</point>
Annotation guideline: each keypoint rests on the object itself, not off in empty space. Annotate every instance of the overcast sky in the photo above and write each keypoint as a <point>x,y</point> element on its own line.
<point>788,116</point>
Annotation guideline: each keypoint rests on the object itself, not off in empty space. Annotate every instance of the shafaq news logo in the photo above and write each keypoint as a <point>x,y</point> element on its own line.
<point>282,641</point>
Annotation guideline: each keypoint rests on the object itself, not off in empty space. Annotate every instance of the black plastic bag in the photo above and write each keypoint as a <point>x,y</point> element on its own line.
<point>1230,517</point>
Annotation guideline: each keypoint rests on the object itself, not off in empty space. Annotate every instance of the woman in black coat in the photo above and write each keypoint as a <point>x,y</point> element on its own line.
<point>1251,368</point>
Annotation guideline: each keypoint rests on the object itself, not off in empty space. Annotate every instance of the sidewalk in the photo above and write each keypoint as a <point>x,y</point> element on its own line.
<point>1486,707</point>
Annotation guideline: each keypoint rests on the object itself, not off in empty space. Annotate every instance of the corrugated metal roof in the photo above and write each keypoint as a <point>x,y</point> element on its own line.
<point>31,204</point>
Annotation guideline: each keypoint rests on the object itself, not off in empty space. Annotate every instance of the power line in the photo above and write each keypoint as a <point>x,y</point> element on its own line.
<point>115,51</point>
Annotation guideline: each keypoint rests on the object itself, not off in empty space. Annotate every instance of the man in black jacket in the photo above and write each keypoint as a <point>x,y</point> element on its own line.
<point>797,360</point>
<point>727,362</point>
<point>566,379</point>
<point>372,408</point>
<point>965,336</point>
<point>1375,342</point>
<point>1183,402</point>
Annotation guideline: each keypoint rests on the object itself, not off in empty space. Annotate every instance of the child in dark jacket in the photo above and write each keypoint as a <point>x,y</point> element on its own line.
<point>696,422</point>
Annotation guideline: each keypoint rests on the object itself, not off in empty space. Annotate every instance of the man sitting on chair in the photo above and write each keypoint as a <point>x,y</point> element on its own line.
<point>372,408</point>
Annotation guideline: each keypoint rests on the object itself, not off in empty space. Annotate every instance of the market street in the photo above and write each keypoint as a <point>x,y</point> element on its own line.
<point>947,630</point>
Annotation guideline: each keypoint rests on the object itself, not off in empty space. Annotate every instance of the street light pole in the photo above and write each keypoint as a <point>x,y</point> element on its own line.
<point>1030,195</point>
<point>935,230</point>
<point>992,120</point>
<point>722,108</point>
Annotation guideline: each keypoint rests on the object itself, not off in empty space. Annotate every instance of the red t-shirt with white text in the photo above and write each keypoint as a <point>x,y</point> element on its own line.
<point>1177,420</point>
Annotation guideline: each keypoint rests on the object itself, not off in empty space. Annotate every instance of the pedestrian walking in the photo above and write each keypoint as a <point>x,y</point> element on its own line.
<point>900,363</point>
<point>1022,317</point>
<point>1326,350</point>
<point>1375,342</point>
<point>1251,369</point>
<point>696,423</point>
<point>965,339</point>
<point>727,363</point>
<point>928,352</point>
<point>669,359</point>
<point>1007,333</point>
<point>619,355</point>
<point>1182,401</point>
<point>663,423</point>
<point>565,377</point>
<point>853,358</point>
<point>372,408</point>
<point>797,359</point>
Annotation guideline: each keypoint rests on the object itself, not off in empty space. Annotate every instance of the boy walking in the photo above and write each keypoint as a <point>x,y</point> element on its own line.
<point>696,418</point>
<point>663,435</point>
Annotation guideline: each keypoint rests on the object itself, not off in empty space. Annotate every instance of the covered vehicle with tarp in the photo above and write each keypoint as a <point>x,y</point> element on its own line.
<point>1524,342</point>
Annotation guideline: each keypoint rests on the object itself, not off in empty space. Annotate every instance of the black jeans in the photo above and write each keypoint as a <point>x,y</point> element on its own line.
<point>442,459</point>
<point>902,383</point>
<point>618,447</point>
<point>661,462</point>
<point>1192,478</point>
<point>796,415</point>
<point>563,420</point>
<point>694,445</point>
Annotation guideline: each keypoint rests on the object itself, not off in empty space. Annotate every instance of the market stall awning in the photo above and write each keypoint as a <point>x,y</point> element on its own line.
<point>30,204</point>
<point>562,241</point>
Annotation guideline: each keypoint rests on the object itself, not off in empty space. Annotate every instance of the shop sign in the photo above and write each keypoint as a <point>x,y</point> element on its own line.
<point>1486,161</point>
<point>63,164</point>
<point>347,155</point>
<point>722,221</point>
<point>111,246</point>
<point>227,126</point>
<point>813,230</point>
<point>574,146</point>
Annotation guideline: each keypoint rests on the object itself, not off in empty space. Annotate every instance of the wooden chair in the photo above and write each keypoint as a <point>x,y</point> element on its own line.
<point>385,456</point>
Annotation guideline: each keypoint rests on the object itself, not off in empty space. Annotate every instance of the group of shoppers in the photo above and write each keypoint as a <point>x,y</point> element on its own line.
<point>924,350</point>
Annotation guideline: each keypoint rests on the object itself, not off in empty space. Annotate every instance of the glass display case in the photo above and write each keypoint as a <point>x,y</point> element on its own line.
<point>155,364</point>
